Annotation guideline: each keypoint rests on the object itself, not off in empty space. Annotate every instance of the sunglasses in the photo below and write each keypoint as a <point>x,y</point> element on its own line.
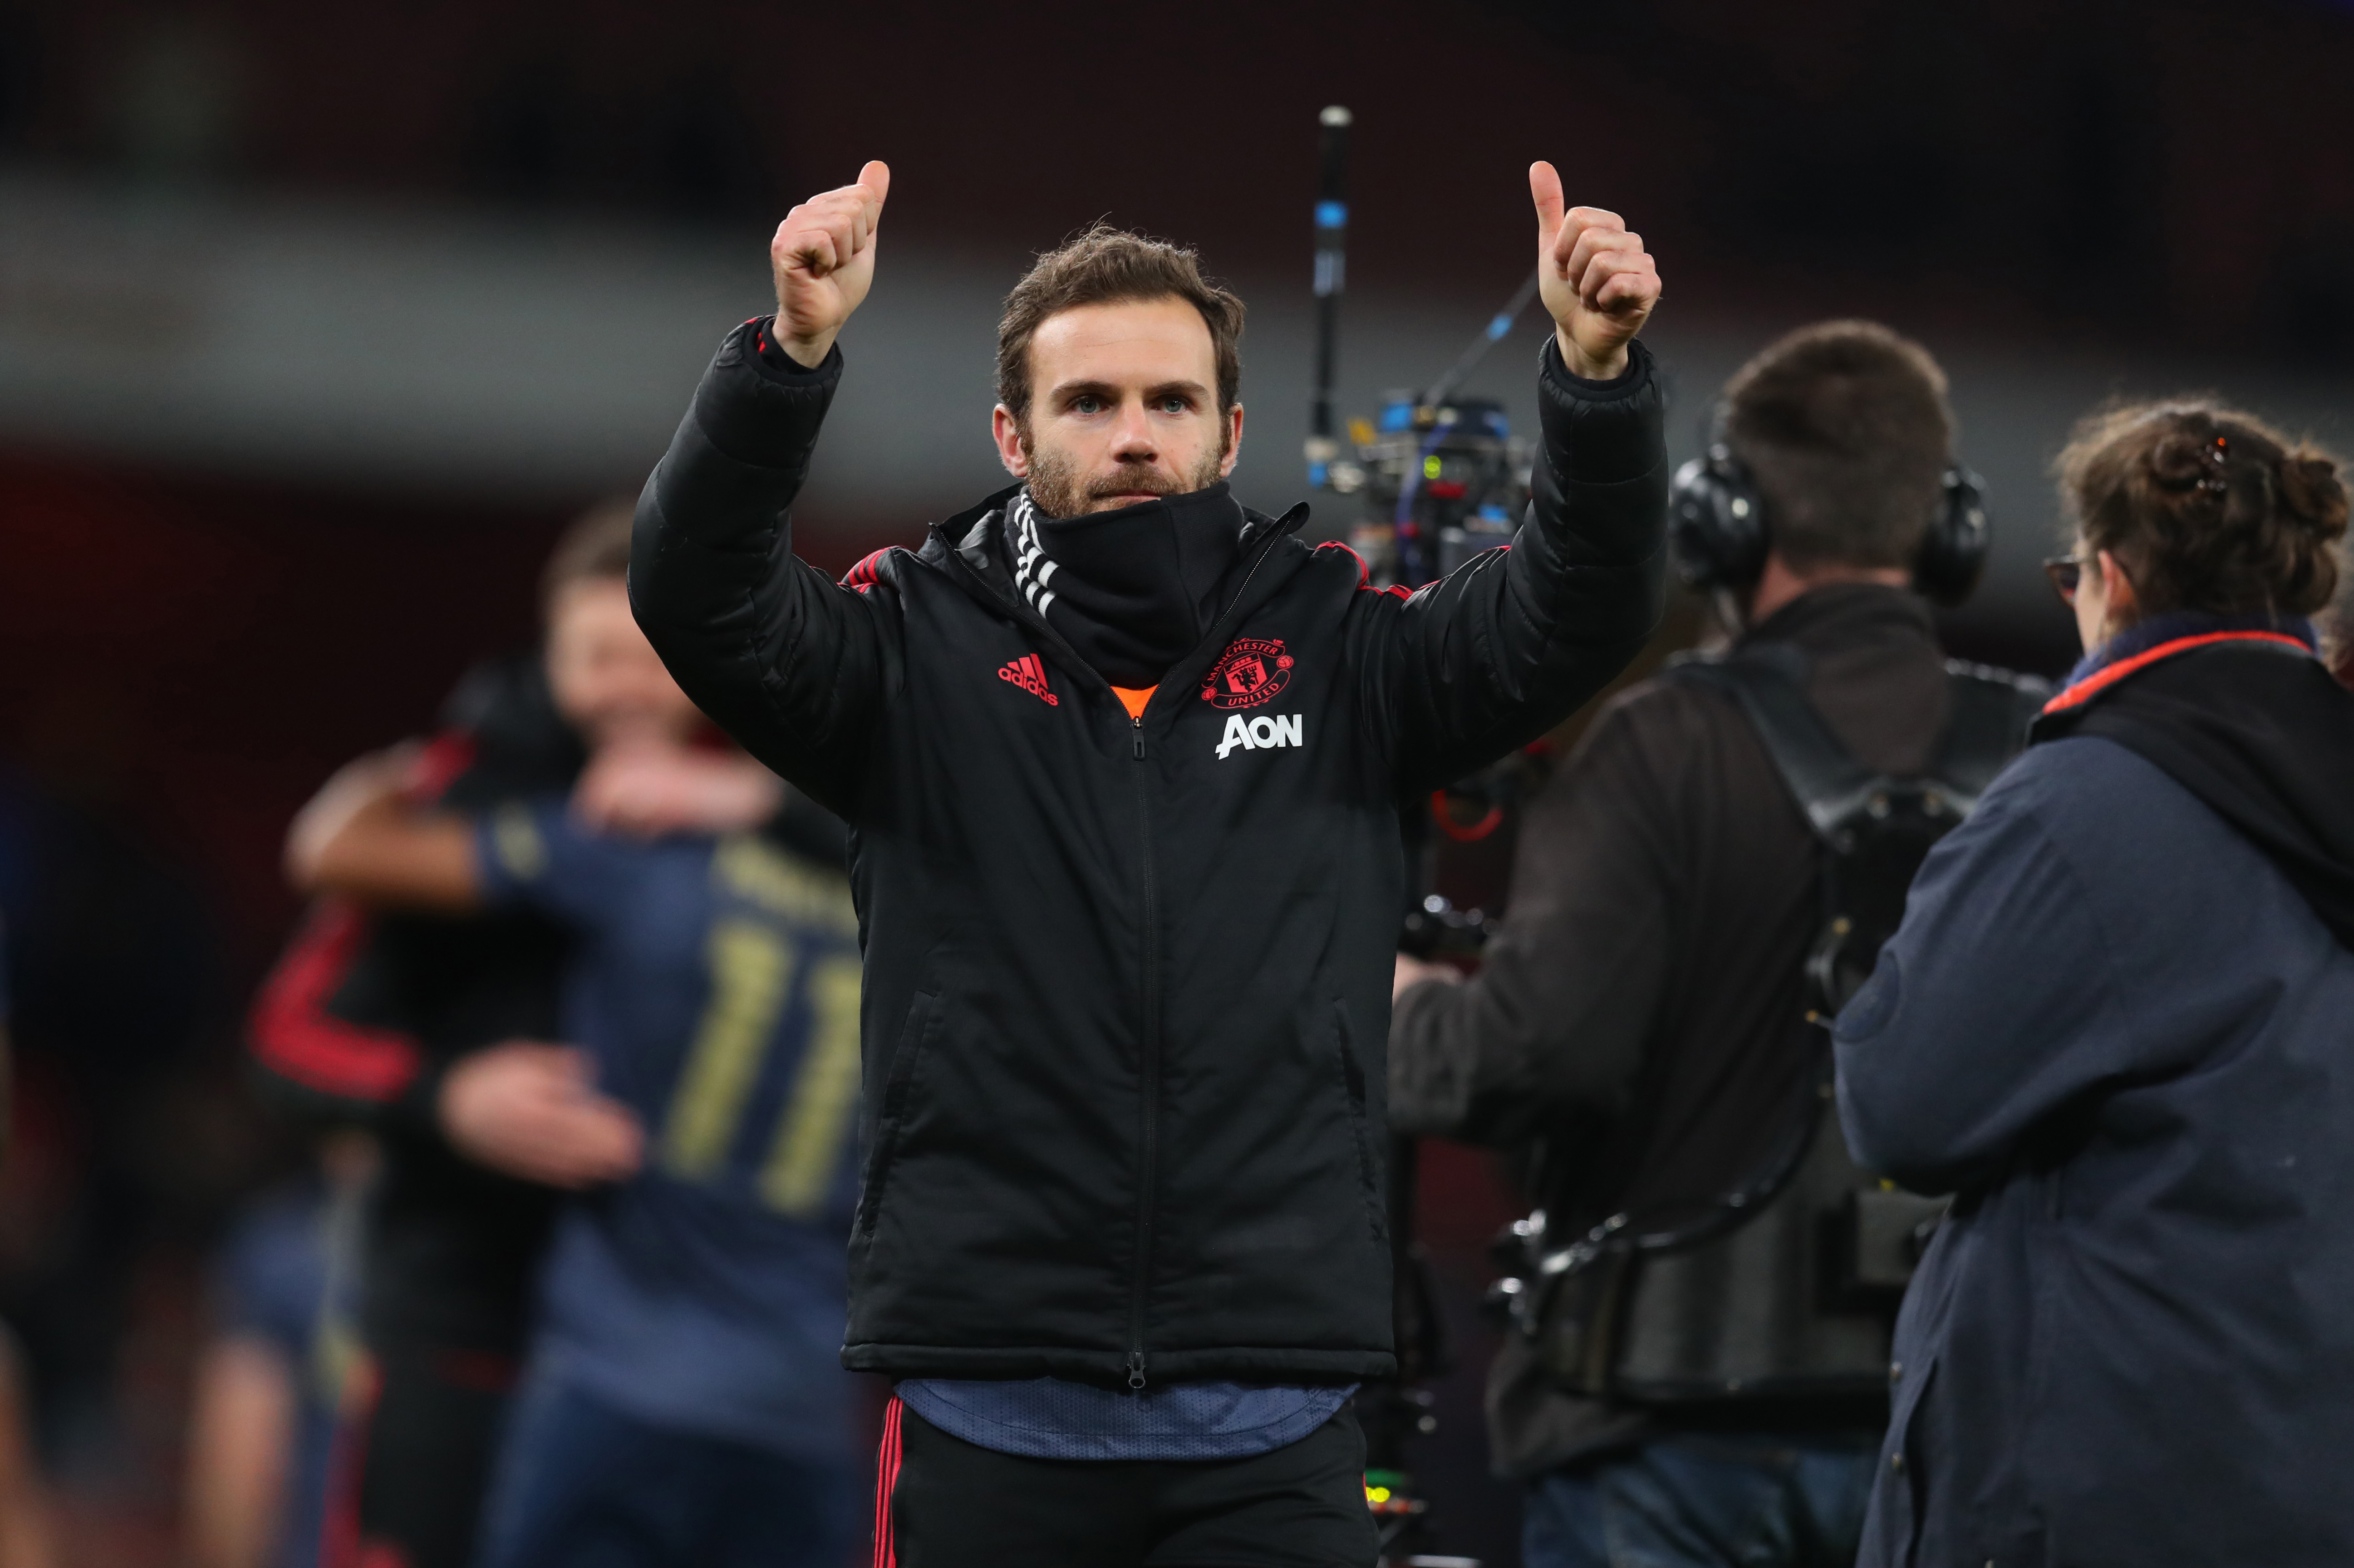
<point>2067,572</point>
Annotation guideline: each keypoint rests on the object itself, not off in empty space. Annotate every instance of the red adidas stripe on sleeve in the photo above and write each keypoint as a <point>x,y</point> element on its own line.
<point>294,1035</point>
<point>863,573</point>
<point>293,1031</point>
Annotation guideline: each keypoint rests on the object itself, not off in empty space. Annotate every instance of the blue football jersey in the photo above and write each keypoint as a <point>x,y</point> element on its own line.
<point>716,987</point>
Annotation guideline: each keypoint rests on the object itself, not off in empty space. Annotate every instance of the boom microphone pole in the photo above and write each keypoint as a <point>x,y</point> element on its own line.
<point>1393,1411</point>
<point>1331,259</point>
<point>1477,350</point>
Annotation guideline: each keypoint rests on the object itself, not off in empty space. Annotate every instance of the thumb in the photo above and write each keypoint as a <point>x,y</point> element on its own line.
<point>877,177</point>
<point>1544,189</point>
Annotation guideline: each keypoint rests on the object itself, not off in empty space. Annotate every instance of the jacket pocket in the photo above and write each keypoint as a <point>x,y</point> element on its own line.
<point>1352,1088</point>
<point>897,1087</point>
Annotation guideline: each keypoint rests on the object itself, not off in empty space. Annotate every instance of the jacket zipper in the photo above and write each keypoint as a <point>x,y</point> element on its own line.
<point>1149,1059</point>
<point>1149,1071</point>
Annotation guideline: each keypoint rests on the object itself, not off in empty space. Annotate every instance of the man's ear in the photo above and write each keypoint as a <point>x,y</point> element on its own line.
<point>1234,441</point>
<point>1011,450</point>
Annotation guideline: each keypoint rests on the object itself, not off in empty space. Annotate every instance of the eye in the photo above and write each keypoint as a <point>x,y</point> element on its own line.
<point>1087,403</point>
<point>1176,404</point>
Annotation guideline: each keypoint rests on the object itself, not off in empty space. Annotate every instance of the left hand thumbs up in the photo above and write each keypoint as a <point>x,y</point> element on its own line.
<point>1596,281</point>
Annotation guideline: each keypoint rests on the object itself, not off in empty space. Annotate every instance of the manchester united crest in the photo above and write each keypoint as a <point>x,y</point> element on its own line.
<point>1250,673</point>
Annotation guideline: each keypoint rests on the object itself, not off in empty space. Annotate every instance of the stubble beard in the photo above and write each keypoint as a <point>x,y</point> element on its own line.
<point>1059,490</point>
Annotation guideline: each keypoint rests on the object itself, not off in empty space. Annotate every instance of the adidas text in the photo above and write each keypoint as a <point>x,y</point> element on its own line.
<point>1266,730</point>
<point>1031,676</point>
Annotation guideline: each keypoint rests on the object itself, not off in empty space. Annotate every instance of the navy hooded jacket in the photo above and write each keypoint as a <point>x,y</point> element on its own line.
<point>2116,1030</point>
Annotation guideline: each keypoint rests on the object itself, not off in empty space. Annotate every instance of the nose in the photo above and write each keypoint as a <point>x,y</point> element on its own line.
<point>1132,437</point>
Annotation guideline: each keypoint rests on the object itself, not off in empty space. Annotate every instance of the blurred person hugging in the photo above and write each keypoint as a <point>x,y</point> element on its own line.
<point>685,1404</point>
<point>430,1031</point>
<point>2114,1025</point>
<point>1695,1376</point>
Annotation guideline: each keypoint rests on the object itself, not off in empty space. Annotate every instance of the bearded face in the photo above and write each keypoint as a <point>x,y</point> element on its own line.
<point>1125,408</point>
<point>1062,486</point>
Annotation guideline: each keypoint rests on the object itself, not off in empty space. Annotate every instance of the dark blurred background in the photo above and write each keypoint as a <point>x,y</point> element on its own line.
<point>317,322</point>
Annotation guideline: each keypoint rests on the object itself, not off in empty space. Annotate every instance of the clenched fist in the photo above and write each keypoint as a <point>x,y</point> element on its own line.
<point>1595,278</point>
<point>824,255</point>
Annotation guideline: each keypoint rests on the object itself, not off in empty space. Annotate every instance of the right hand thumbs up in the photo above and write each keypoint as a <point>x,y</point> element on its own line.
<point>823,256</point>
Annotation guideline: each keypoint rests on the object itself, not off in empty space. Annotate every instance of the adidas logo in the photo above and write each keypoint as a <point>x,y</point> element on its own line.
<point>1031,676</point>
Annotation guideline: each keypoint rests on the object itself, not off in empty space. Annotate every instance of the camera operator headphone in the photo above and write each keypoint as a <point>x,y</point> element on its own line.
<point>1717,524</point>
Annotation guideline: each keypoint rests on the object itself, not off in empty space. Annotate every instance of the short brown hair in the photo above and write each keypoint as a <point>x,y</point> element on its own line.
<point>596,545</point>
<point>2206,508</point>
<point>1844,427</point>
<point>1108,266</point>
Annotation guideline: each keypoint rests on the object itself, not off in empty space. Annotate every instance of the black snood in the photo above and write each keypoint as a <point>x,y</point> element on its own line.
<point>1132,590</point>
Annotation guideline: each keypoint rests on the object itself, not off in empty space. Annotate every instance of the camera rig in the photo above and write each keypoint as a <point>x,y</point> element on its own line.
<point>1442,477</point>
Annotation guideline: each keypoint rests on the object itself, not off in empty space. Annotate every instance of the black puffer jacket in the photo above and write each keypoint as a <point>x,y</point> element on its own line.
<point>1128,980</point>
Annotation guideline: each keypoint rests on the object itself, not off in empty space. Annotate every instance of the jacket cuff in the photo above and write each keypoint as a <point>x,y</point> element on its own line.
<point>759,407</point>
<point>783,368</point>
<point>1549,362</point>
<point>1601,432</point>
<point>417,1108</point>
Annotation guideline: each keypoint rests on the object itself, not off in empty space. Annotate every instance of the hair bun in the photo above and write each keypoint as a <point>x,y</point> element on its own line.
<point>2313,495</point>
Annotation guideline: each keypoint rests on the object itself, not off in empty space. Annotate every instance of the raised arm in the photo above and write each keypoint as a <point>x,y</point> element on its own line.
<point>1510,645</point>
<point>361,836</point>
<point>792,664</point>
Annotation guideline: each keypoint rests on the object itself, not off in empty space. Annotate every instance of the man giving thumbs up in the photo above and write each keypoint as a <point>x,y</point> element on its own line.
<point>1123,761</point>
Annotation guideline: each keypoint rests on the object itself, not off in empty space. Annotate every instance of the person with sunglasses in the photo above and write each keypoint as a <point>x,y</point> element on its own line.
<point>2113,1024</point>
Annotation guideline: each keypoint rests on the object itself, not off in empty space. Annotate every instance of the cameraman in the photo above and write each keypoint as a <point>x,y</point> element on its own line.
<point>1638,1029</point>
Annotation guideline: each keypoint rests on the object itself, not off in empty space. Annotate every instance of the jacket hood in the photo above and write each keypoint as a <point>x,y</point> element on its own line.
<point>2246,718</point>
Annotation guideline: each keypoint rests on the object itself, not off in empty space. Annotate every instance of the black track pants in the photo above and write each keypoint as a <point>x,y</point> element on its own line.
<point>415,1460</point>
<point>942,1503</point>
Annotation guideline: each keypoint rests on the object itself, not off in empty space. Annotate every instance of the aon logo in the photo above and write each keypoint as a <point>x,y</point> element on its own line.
<point>1262,731</point>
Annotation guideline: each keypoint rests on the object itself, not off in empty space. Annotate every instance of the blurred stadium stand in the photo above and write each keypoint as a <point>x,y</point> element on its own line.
<point>449,354</point>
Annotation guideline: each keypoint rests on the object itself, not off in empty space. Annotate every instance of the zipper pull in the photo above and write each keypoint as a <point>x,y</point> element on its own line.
<point>1136,1370</point>
<point>1137,724</point>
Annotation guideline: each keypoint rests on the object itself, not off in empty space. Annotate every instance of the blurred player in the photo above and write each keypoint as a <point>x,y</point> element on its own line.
<point>271,1381</point>
<point>25,1538</point>
<point>685,1404</point>
<point>426,1031</point>
<point>23,1511</point>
